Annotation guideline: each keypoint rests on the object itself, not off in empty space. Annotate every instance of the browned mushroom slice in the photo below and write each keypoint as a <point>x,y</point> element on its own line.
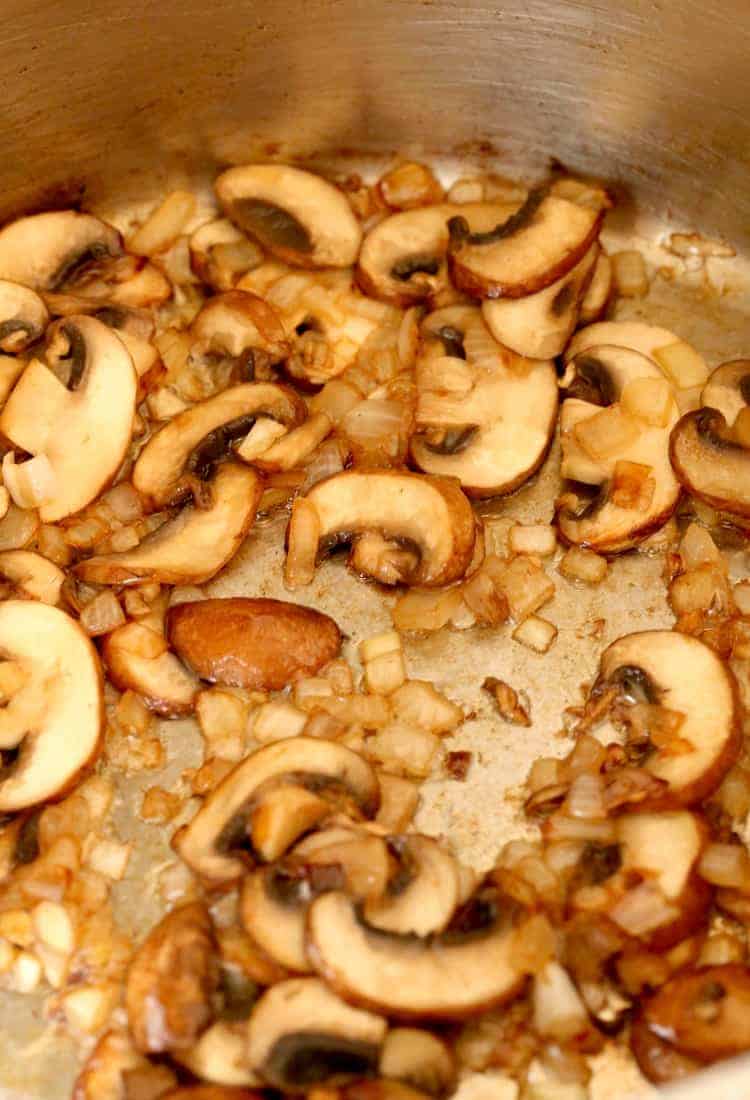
<point>213,841</point>
<point>420,1059</point>
<point>44,251</point>
<point>194,545</point>
<point>258,644</point>
<point>403,257</point>
<point>164,684</point>
<point>429,515</point>
<point>295,215</point>
<point>472,966</point>
<point>710,464</point>
<point>532,248</point>
<point>686,676</point>
<point>703,1015</point>
<point>423,895</point>
<point>237,320</point>
<point>172,981</point>
<point>78,411</point>
<point>301,1034</point>
<point>194,441</point>
<point>540,325</point>
<point>23,317</point>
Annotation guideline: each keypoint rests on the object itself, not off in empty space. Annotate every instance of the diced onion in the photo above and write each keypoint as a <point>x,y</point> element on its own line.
<point>629,273</point>
<point>164,225</point>
<point>682,364</point>
<point>643,909</point>
<point>559,1012</point>
<point>726,865</point>
<point>427,610</point>
<point>585,797</point>
<point>102,615</point>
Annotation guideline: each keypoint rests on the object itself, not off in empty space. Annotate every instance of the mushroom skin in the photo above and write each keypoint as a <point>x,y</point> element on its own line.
<point>709,463</point>
<point>172,981</point>
<point>681,673</point>
<point>430,514</point>
<point>23,317</point>
<point>45,251</point>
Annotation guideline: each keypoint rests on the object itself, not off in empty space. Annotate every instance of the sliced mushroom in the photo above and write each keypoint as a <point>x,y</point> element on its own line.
<point>162,681</point>
<point>219,1056</point>
<point>494,436</point>
<point>194,441</point>
<point>31,576</point>
<point>599,291</point>
<point>45,251</point>
<point>23,317</point>
<point>237,320</point>
<point>472,966</point>
<point>403,258</point>
<point>258,644</point>
<point>539,325</point>
<point>78,411</point>
<point>418,1058</point>
<point>172,981</point>
<point>526,252</point>
<point>711,464</point>
<point>56,718</point>
<point>423,895</point>
<point>596,378</point>
<point>194,545</point>
<point>429,515</point>
<point>220,826</point>
<point>647,882</point>
<point>685,675</point>
<point>293,214</point>
<point>301,1034</point>
<point>636,335</point>
<point>703,1015</point>
<point>220,254</point>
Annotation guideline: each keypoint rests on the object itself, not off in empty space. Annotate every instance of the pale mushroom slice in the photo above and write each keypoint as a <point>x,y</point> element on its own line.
<point>55,720</point>
<point>526,252</point>
<point>194,441</point>
<point>300,1034</point>
<point>212,844</point>
<point>220,254</point>
<point>599,291</point>
<point>44,251</point>
<point>23,317</point>
<point>428,516</point>
<point>636,335</point>
<point>31,576</point>
<point>295,215</point>
<point>539,325</point>
<point>494,436</point>
<point>419,1059</point>
<point>233,322</point>
<point>162,681</point>
<point>193,546</point>
<point>423,895</point>
<point>472,966</point>
<point>219,1056</point>
<point>403,258</point>
<point>603,519</point>
<point>684,675</point>
<point>78,411</point>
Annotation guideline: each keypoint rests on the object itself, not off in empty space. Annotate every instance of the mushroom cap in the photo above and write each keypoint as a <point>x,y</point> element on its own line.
<point>301,1034</point>
<point>294,214</point>
<point>84,428</point>
<point>42,251</point>
<point>429,512</point>
<point>194,545</point>
<point>727,389</point>
<point>163,460</point>
<point>23,317</point>
<point>56,719</point>
<point>204,843</point>
<point>449,976</point>
<point>684,675</point>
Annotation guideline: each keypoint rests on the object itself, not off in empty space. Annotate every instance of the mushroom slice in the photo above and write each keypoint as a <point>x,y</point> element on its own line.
<point>599,291</point>
<point>220,254</point>
<point>429,515</point>
<point>82,423</point>
<point>163,682</point>
<point>172,981</point>
<point>301,1034</point>
<point>237,320</point>
<point>540,325</point>
<point>220,826</point>
<point>728,389</point>
<point>653,891</point>
<point>31,575</point>
<point>418,1058</point>
<point>23,317</point>
<point>193,546</point>
<point>56,718</point>
<point>686,676</point>
<point>524,253</point>
<point>470,967</point>
<point>220,1056</point>
<point>195,440</point>
<point>494,436</point>
<point>636,335</point>
<point>45,251</point>
<point>403,257</point>
<point>700,1014</point>
<point>293,214</point>
<point>422,896</point>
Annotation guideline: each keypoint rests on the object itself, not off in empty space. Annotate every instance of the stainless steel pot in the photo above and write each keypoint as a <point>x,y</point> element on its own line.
<point>112,103</point>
